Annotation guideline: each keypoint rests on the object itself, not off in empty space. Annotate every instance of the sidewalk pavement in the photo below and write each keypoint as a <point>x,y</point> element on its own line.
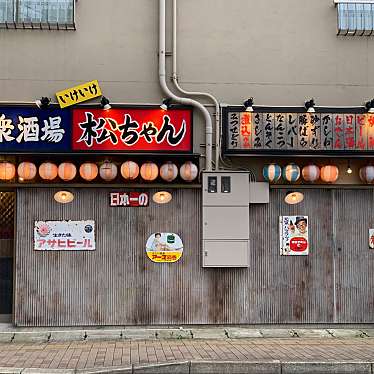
<point>227,355</point>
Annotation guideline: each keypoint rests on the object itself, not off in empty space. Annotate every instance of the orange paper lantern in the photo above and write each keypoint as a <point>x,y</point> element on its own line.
<point>108,171</point>
<point>188,171</point>
<point>67,171</point>
<point>149,171</point>
<point>26,170</point>
<point>129,170</point>
<point>88,171</point>
<point>7,171</point>
<point>48,171</point>
<point>168,172</point>
<point>329,173</point>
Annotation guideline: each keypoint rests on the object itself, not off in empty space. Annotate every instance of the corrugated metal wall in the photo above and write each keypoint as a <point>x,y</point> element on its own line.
<point>117,284</point>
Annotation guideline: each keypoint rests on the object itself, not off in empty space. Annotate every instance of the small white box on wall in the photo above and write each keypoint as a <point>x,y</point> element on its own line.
<point>259,193</point>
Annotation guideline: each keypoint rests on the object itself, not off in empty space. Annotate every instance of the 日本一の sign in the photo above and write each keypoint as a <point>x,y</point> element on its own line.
<point>64,235</point>
<point>132,129</point>
<point>129,199</point>
<point>26,129</point>
<point>78,94</point>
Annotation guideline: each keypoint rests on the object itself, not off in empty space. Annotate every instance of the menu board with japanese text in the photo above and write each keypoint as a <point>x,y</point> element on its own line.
<point>266,132</point>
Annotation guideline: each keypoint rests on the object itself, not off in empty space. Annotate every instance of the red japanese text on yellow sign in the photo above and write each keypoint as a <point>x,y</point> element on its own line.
<point>167,256</point>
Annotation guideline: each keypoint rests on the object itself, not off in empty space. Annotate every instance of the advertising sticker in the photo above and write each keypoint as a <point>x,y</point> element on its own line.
<point>164,247</point>
<point>371,238</point>
<point>293,232</point>
<point>64,235</point>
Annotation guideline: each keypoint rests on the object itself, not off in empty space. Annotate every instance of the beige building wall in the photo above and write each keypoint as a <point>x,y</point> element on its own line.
<point>279,52</point>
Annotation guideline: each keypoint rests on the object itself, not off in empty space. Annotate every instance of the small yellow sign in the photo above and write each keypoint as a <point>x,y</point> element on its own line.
<point>78,94</point>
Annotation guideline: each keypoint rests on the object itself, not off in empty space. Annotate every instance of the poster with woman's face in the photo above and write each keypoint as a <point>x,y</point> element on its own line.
<point>164,247</point>
<point>293,235</point>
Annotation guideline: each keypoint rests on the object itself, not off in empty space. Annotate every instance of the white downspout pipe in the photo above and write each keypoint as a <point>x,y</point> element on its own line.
<point>195,93</point>
<point>182,100</point>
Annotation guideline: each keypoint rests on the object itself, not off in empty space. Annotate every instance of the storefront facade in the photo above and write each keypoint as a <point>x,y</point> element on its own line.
<point>116,271</point>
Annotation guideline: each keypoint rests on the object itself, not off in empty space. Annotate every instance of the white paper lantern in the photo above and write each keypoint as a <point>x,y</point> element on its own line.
<point>7,171</point>
<point>168,172</point>
<point>129,170</point>
<point>108,171</point>
<point>67,171</point>
<point>149,171</point>
<point>48,171</point>
<point>27,171</point>
<point>88,171</point>
<point>188,171</point>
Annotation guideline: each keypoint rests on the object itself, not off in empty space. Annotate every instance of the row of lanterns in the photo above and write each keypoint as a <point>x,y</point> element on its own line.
<point>311,173</point>
<point>108,171</point>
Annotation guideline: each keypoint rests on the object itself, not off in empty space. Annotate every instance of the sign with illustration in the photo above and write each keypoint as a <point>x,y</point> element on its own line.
<point>164,247</point>
<point>129,199</point>
<point>132,129</point>
<point>293,232</point>
<point>27,129</point>
<point>64,236</point>
<point>371,238</point>
<point>78,94</point>
<point>313,133</point>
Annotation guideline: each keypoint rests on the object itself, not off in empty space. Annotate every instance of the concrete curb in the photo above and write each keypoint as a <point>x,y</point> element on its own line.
<point>217,367</point>
<point>21,335</point>
<point>327,367</point>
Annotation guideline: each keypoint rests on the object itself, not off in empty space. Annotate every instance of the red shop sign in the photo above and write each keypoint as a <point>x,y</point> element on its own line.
<point>129,199</point>
<point>134,129</point>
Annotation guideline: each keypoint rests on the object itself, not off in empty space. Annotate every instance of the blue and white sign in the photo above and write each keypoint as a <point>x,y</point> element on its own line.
<point>27,129</point>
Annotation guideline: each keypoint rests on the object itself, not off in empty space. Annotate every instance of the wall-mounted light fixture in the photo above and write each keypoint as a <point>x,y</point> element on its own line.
<point>349,169</point>
<point>309,106</point>
<point>64,197</point>
<point>369,105</point>
<point>166,103</point>
<point>162,197</point>
<point>294,197</point>
<point>105,103</point>
<point>43,103</point>
<point>248,105</point>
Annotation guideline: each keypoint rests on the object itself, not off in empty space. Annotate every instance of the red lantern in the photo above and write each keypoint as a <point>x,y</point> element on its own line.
<point>108,171</point>
<point>88,171</point>
<point>188,171</point>
<point>7,171</point>
<point>67,171</point>
<point>168,172</point>
<point>329,173</point>
<point>26,171</point>
<point>149,171</point>
<point>129,170</point>
<point>48,171</point>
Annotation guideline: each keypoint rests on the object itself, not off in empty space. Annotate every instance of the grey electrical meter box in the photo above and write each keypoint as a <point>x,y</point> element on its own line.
<point>225,219</point>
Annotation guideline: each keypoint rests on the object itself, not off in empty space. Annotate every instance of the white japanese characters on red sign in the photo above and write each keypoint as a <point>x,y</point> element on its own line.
<point>129,199</point>
<point>64,236</point>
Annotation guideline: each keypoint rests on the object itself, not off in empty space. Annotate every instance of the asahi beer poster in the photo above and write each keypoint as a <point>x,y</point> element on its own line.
<point>371,238</point>
<point>64,236</point>
<point>293,232</point>
<point>164,247</point>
